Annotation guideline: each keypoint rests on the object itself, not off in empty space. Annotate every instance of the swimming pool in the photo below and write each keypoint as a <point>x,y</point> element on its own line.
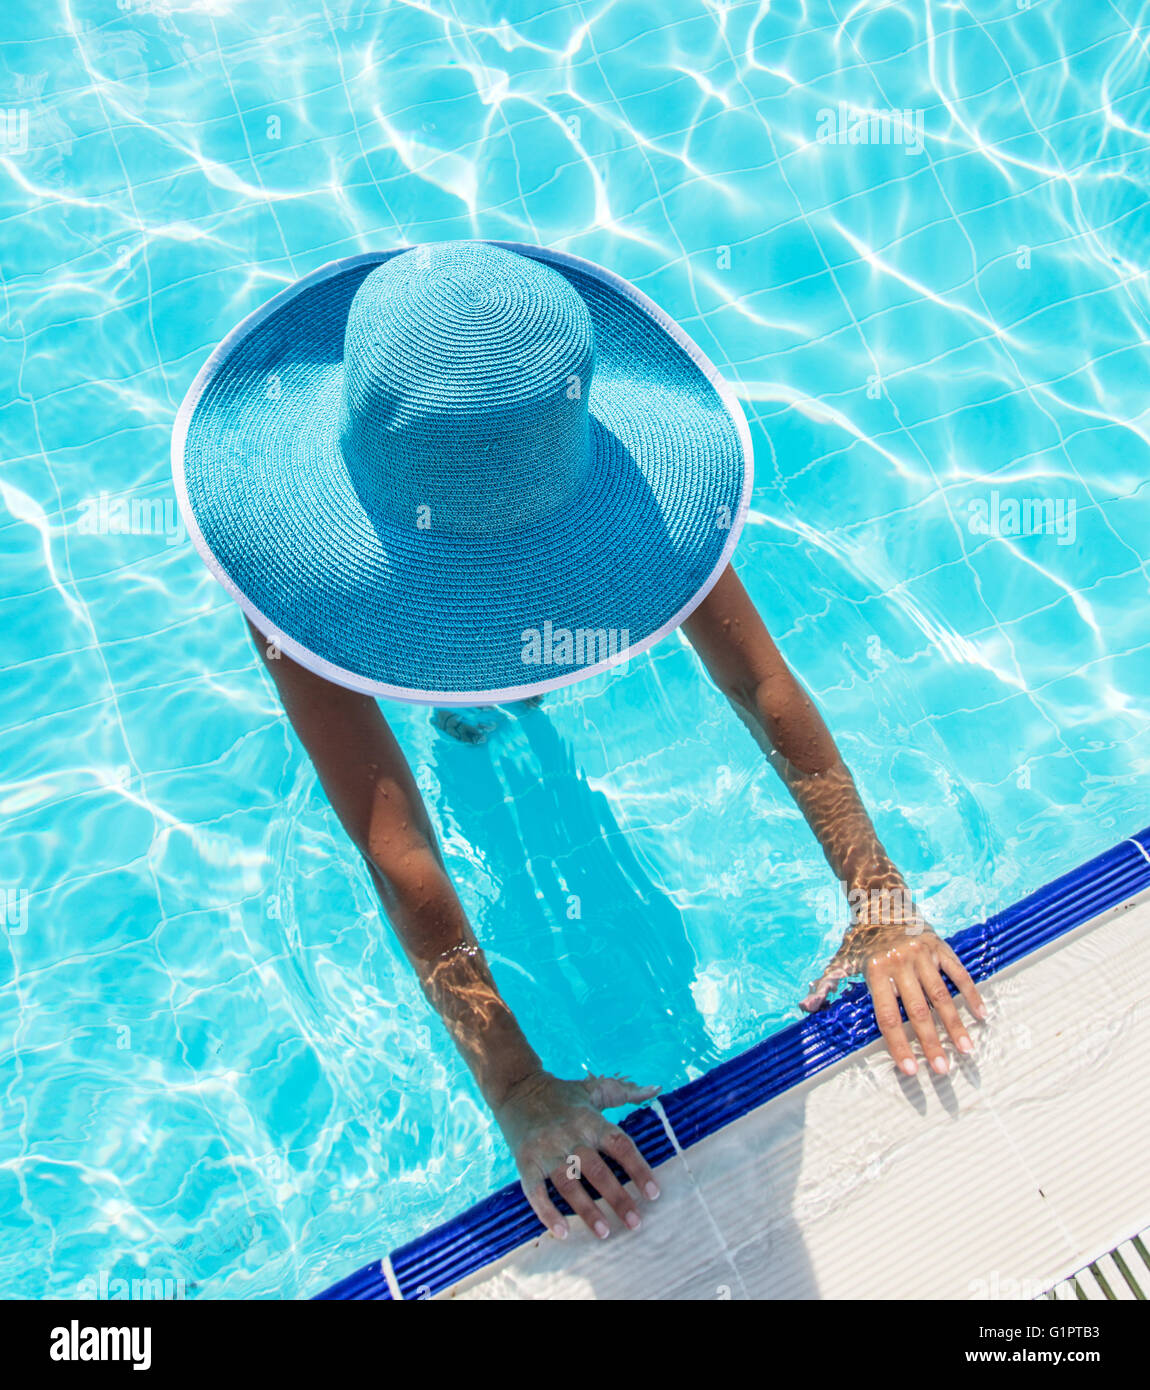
<point>217,1069</point>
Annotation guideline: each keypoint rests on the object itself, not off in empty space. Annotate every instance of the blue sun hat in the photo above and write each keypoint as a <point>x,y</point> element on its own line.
<point>462,473</point>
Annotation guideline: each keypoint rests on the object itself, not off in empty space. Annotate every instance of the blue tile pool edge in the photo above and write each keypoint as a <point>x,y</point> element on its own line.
<point>503,1221</point>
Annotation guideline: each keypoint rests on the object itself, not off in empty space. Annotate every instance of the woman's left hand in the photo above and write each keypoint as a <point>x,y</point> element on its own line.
<point>900,957</point>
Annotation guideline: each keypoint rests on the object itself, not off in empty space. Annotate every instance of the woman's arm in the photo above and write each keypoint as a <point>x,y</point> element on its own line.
<point>888,941</point>
<point>367,780</point>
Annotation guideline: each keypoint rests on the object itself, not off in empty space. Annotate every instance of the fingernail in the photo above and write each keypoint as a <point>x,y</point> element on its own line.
<point>941,1065</point>
<point>652,1190</point>
<point>964,1044</point>
<point>601,1230</point>
<point>632,1220</point>
<point>980,1013</point>
<point>559,1230</point>
<point>909,1066</point>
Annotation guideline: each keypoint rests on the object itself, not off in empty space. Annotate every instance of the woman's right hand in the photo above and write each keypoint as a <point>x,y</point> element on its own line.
<point>556,1130</point>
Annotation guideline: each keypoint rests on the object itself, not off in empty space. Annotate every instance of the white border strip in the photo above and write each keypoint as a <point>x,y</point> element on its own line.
<point>314,662</point>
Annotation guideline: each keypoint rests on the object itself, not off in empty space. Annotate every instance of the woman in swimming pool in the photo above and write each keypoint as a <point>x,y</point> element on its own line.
<point>467,444</point>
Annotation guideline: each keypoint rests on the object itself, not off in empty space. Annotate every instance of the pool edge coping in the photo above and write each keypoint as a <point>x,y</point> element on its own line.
<point>503,1221</point>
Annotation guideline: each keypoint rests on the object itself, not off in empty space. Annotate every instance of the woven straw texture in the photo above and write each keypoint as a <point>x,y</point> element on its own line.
<point>412,464</point>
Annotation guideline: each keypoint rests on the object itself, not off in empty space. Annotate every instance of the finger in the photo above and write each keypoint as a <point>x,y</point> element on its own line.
<point>962,981</point>
<point>604,1092</point>
<point>544,1208</point>
<point>934,987</point>
<point>822,989</point>
<point>579,1200</point>
<point>889,1022</point>
<point>608,1186</point>
<point>920,1017</point>
<point>618,1145</point>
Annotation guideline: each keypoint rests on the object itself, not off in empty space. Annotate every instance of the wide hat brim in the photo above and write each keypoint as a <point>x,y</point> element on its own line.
<point>429,617</point>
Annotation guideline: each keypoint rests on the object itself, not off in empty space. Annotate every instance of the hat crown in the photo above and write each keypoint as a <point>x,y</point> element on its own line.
<point>466,376</point>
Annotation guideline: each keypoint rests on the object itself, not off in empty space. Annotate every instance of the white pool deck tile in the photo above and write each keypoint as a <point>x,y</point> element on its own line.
<point>1000,1180</point>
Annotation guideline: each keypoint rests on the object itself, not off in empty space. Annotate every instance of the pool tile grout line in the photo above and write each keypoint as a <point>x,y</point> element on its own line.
<point>503,1221</point>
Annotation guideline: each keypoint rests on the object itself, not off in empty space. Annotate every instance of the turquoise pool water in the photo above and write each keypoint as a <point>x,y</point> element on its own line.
<point>216,1067</point>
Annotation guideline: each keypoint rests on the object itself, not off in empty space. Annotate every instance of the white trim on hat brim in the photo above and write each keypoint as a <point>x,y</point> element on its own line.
<point>312,661</point>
